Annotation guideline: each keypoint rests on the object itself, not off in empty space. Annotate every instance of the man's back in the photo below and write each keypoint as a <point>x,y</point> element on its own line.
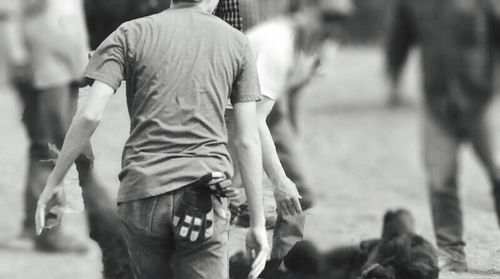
<point>180,66</point>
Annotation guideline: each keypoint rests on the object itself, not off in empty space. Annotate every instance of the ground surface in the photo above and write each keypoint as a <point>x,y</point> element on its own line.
<point>363,159</point>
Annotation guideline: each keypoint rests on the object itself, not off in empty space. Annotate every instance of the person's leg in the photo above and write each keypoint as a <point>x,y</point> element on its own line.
<point>208,259</point>
<point>38,125</point>
<point>146,227</point>
<point>440,157</point>
<point>38,170</point>
<point>487,149</point>
<point>288,231</point>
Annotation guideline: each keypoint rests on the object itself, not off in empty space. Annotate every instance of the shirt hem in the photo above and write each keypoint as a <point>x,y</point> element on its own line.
<point>244,99</point>
<point>103,79</point>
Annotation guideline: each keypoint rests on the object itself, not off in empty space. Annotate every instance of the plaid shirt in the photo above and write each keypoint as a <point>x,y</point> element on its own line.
<point>229,11</point>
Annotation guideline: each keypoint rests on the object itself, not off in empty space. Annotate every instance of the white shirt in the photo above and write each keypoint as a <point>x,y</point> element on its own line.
<point>279,66</point>
<point>57,42</point>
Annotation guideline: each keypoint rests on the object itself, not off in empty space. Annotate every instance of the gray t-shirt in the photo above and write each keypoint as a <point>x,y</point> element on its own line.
<point>180,66</point>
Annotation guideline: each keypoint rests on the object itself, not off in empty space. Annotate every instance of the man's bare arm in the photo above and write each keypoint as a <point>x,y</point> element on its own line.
<point>83,126</point>
<point>285,191</point>
<point>14,40</point>
<point>247,143</point>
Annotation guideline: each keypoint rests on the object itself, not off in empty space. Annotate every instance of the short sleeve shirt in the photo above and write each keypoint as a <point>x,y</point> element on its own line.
<point>57,42</point>
<point>273,45</point>
<point>180,66</point>
<point>279,65</point>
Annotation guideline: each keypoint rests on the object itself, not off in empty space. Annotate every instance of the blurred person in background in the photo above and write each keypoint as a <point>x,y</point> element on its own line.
<point>103,17</point>
<point>12,50</point>
<point>287,49</point>
<point>457,40</point>
<point>48,52</point>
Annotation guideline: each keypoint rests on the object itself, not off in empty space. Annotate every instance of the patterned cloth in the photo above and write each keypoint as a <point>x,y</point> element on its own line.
<point>229,11</point>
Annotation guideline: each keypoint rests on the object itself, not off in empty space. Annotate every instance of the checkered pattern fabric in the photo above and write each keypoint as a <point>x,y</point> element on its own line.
<point>229,11</point>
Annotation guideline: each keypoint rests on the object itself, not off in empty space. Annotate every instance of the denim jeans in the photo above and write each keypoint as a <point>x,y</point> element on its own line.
<point>441,148</point>
<point>156,252</point>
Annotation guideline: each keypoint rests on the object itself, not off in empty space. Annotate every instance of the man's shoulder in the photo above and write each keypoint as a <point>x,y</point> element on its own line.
<point>272,32</point>
<point>226,28</point>
<point>229,36</point>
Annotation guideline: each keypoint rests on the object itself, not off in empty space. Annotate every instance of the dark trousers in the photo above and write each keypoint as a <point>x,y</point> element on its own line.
<point>441,148</point>
<point>47,116</point>
<point>157,252</point>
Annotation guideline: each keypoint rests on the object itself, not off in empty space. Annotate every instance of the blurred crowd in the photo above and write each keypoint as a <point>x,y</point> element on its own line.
<point>46,46</point>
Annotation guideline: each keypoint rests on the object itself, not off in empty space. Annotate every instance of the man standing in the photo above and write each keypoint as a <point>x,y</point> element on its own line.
<point>47,53</point>
<point>180,67</point>
<point>457,40</point>
<point>287,50</point>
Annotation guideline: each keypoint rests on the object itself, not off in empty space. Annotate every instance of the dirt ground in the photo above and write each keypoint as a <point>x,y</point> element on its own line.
<point>363,159</point>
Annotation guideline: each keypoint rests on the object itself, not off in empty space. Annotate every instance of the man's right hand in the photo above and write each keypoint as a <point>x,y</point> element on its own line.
<point>287,197</point>
<point>257,250</point>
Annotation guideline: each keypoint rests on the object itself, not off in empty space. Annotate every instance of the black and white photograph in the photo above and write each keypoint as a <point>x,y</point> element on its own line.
<point>249,139</point>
